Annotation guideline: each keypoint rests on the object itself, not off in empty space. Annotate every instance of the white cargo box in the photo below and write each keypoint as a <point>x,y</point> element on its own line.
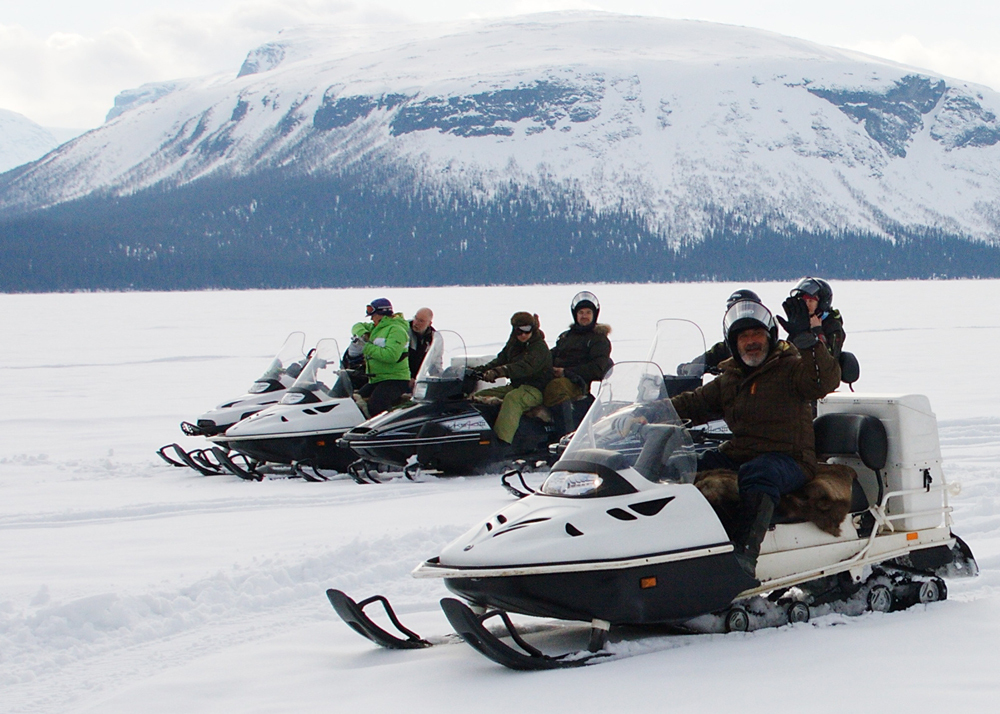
<point>914,456</point>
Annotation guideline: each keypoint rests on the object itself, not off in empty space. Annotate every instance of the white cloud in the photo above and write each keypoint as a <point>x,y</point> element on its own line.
<point>951,58</point>
<point>67,79</point>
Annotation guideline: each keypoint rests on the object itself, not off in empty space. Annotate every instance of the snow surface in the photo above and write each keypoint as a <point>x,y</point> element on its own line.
<point>132,586</point>
<point>672,119</point>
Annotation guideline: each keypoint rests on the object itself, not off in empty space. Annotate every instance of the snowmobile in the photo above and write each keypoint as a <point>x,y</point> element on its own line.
<point>619,536</point>
<point>443,430</point>
<point>302,429</point>
<point>265,391</point>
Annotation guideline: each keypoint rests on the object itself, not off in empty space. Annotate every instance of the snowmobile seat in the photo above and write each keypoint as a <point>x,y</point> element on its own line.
<point>859,441</point>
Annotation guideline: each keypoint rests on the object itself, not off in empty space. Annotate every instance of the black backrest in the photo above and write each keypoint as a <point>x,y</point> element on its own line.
<point>852,435</point>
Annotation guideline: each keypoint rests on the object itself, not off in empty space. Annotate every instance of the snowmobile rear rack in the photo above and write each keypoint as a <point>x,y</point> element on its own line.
<point>469,627</point>
<point>353,614</point>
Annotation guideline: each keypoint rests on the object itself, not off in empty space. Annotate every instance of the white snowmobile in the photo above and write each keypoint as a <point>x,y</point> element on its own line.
<point>619,535</point>
<point>302,429</point>
<point>266,390</point>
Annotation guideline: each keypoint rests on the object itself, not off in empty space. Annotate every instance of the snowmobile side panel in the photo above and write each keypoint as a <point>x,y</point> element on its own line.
<point>658,593</point>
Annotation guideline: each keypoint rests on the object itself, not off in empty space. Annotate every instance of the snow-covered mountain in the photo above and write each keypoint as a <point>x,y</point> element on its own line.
<point>22,140</point>
<point>672,119</point>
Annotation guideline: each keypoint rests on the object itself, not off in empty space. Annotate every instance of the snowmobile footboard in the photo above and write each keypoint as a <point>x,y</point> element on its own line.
<point>353,614</point>
<point>469,627</point>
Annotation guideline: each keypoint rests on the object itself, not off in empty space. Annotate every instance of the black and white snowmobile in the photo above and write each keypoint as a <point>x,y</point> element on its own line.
<point>302,429</point>
<point>265,391</point>
<point>444,430</point>
<point>619,535</point>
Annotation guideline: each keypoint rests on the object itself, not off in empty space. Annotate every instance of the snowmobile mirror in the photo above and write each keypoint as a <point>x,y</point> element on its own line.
<point>850,369</point>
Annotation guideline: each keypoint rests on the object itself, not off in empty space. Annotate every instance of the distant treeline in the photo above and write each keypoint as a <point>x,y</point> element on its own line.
<point>261,232</point>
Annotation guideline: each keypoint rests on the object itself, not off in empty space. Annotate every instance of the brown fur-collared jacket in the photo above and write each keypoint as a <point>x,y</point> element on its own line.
<point>769,408</point>
<point>584,353</point>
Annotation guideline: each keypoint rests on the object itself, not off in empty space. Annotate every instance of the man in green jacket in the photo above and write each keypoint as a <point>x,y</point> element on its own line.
<point>526,361</point>
<point>386,338</point>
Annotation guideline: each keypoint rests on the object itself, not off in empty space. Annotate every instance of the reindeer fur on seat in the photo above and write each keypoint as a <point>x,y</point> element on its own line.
<point>825,500</point>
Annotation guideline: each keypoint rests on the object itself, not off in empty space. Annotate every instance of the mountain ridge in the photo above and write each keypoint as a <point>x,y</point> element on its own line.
<point>664,124</point>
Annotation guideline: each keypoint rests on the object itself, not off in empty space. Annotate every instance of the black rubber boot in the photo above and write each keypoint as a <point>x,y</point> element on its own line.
<point>752,522</point>
<point>562,418</point>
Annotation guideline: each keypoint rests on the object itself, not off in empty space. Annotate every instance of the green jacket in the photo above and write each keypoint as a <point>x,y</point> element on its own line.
<point>524,362</point>
<point>768,409</point>
<point>389,361</point>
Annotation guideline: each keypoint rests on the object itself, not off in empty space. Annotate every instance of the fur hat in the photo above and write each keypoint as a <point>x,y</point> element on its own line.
<point>524,319</point>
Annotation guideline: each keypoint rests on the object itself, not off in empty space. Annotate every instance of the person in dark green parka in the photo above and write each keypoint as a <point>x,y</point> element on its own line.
<point>526,361</point>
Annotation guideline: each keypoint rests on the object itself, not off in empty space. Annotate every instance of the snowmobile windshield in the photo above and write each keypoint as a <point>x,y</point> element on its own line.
<point>633,418</point>
<point>679,349</point>
<point>443,370</point>
<point>285,366</point>
<point>321,379</point>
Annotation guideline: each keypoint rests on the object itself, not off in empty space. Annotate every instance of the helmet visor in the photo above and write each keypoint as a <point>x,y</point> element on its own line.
<point>745,314</point>
<point>584,296</point>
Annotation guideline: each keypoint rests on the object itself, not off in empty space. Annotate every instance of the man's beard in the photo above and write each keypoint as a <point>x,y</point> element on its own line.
<point>754,360</point>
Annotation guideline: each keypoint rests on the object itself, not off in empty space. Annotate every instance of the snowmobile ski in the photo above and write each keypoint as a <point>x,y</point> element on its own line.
<point>353,614</point>
<point>470,628</point>
<point>194,460</point>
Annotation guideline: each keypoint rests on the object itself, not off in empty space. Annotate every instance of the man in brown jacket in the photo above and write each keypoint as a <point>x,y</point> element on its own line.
<point>765,395</point>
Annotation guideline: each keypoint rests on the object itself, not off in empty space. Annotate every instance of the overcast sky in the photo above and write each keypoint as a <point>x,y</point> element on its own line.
<point>63,61</point>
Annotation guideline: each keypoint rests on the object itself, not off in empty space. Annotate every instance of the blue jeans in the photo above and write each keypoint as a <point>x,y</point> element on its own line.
<point>771,473</point>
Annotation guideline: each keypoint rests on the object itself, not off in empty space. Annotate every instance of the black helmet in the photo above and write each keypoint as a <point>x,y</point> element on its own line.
<point>744,315</point>
<point>817,288</point>
<point>742,294</point>
<point>585,299</point>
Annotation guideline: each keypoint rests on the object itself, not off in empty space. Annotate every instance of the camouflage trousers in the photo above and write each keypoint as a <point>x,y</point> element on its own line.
<point>515,403</point>
<point>561,390</point>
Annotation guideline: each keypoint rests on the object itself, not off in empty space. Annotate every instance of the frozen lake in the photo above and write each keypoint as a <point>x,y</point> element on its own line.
<point>131,586</point>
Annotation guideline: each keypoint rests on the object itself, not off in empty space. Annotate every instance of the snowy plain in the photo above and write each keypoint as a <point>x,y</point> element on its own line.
<point>128,585</point>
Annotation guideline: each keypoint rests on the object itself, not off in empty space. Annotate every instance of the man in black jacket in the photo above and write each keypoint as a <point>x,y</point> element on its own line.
<point>421,334</point>
<point>582,355</point>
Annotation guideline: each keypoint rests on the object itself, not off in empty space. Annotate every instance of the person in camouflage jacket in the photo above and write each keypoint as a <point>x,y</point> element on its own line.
<point>526,361</point>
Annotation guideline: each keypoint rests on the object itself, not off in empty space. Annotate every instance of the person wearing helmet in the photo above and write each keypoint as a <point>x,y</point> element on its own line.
<point>385,341</point>
<point>582,355</point>
<point>825,321</point>
<point>764,393</point>
<point>526,361</point>
<point>717,353</point>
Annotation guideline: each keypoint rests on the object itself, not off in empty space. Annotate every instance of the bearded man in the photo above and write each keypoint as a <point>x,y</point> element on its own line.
<point>765,394</point>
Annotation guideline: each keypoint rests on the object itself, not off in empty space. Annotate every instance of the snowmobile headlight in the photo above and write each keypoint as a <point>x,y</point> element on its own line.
<point>293,397</point>
<point>571,483</point>
<point>259,387</point>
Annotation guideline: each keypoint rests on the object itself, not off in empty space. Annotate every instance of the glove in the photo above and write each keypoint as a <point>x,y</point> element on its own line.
<point>379,342</point>
<point>356,348</point>
<point>797,325</point>
<point>490,375</point>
